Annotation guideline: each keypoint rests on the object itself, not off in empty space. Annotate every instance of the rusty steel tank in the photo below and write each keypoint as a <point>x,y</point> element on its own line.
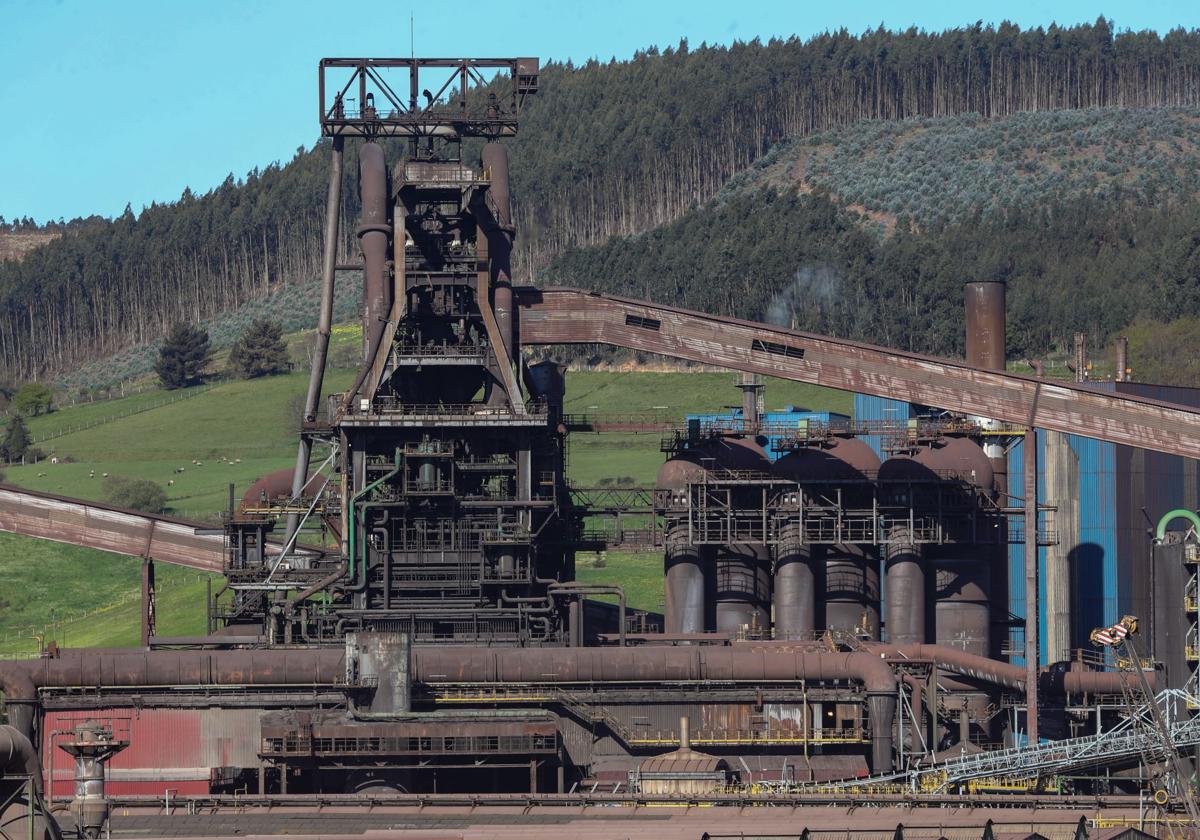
<point>686,565</point>
<point>847,576</point>
<point>713,588</point>
<point>743,570</point>
<point>962,574</point>
<point>907,604</point>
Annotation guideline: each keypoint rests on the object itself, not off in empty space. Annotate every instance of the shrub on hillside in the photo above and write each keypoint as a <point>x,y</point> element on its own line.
<point>135,493</point>
<point>15,444</point>
<point>33,398</point>
<point>260,351</point>
<point>183,357</point>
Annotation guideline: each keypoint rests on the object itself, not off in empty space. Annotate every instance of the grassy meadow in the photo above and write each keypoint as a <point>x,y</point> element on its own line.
<point>235,431</point>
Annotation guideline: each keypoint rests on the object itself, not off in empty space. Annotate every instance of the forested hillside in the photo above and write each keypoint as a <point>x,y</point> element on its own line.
<point>1089,264</point>
<point>608,149</point>
<point>937,170</point>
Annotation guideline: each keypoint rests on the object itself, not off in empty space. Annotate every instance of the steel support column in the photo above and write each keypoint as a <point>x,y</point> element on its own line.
<point>312,399</point>
<point>1029,453</point>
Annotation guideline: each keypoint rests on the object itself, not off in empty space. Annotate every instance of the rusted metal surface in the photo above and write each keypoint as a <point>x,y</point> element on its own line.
<point>365,97</point>
<point>130,532</point>
<point>571,316</point>
<point>985,307</point>
<point>291,735</point>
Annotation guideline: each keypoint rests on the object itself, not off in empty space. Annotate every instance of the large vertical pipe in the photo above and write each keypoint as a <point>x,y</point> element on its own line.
<point>881,709</point>
<point>906,602</point>
<point>685,585</point>
<point>795,592</point>
<point>1031,583</point>
<point>316,377</point>
<point>1122,373</point>
<point>373,240</point>
<point>986,305</point>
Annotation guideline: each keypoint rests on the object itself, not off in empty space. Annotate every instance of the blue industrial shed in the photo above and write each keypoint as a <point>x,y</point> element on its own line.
<point>1109,498</point>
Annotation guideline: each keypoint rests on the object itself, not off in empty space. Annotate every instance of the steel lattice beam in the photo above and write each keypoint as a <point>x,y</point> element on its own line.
<point>571,316</point>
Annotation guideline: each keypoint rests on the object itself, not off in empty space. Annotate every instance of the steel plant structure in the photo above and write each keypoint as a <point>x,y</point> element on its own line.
<point>401,616</point>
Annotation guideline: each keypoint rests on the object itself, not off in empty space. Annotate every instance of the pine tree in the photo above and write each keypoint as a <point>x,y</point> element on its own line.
<point>16,440</point>
<point>260,351</point>
<point>183,357</point>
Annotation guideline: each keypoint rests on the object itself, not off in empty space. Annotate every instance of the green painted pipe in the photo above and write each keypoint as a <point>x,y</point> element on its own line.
<point>354,516</point>
<point>1181,513</point>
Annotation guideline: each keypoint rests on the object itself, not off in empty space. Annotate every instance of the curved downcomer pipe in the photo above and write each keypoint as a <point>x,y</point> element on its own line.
<point>17,755</point>
<point>373,234</point>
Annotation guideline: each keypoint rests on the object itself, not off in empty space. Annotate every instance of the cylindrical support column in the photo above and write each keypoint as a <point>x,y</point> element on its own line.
<point>743,588</point>
<point>685,584</point>
<point>795,592</point>
<point>316,377</point>
<point>852,590</point>
<point>906,602</point>
<point>373,235</point>
<point>1029,462</point>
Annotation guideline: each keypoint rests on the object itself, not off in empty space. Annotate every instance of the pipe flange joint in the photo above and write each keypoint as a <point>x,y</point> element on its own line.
<point>363,230</point>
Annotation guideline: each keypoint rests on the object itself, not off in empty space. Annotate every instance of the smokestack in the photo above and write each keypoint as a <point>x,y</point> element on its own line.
<point>685,739</point>
<point>986,305</point>
<point>1081,357</point>
<point>1122,359</point>
<point>751,387</point>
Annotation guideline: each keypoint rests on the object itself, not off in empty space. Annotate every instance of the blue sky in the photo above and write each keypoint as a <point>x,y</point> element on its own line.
<point>104,103</point>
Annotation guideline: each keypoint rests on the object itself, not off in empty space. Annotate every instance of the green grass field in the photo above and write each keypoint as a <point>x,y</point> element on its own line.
<point>240,430</point>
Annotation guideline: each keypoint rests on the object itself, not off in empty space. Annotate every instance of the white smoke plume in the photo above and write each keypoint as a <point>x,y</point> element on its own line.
<point>811,293</point>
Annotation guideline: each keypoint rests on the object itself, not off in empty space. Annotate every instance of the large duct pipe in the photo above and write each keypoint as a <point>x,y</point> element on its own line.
<point>373,234</point>
<point>316,377</point>
<point>686,584</point>
<point>20,680</point>
<point>24,815</point>
<point>750,664</point>
<point>905,575</point>
<point>794,594</point>
<point>18,756</point>
<point>1007,675</point>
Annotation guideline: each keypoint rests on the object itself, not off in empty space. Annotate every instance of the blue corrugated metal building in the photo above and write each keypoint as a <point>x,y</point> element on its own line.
<point>788,417</point>
<point>1108,497</point>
